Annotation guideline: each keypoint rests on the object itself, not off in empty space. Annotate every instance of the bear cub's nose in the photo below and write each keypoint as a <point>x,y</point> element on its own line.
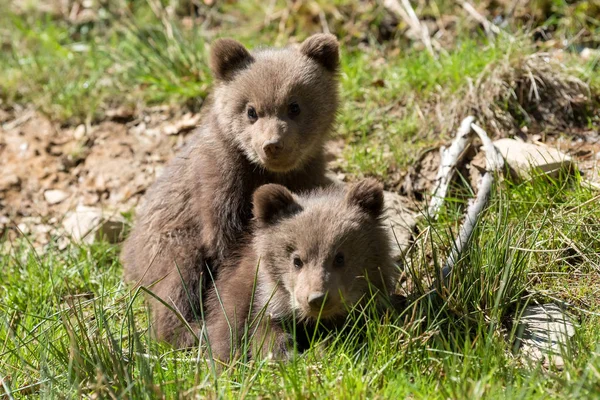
<point>316,299</point>
<point>272,147</point>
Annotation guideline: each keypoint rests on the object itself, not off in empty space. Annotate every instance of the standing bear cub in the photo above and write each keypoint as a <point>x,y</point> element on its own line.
<point>311,258</point>
<point>267,121</point>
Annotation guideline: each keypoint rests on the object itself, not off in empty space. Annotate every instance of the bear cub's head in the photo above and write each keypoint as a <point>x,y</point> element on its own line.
<point>322,253</point>
<point>277,105</point>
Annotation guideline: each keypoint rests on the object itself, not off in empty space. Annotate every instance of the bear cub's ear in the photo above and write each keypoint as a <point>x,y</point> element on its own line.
<point>324,49</point>
<point>272,203</point>
<point>228,56</point>
<point>368,195</point>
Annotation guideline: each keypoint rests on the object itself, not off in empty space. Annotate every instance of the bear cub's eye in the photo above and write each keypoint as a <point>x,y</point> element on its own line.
<point>298,262</point>
<point>338,261</point>
<point>252,116</point>
<point>293,109</point>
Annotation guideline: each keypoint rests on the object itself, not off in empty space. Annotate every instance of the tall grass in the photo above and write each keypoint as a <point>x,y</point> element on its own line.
<point>69,327</point>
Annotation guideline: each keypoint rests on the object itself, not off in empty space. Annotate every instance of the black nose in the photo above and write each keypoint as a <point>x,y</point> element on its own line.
<point>272,147</point>
<point>316,299</point>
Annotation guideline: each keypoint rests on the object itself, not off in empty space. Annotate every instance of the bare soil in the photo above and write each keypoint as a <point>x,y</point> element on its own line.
<point>47,170</point>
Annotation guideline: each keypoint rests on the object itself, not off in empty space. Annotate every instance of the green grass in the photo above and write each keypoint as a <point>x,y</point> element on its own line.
<point>75,72</point>
<point>69,327</point>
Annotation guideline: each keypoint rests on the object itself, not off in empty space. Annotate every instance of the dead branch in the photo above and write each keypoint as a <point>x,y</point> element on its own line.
<point>493,158</point>
<point>450,158</point>
<point>494,163</point>
<point>468,225</point>
<point>490,28</point>
<point>406,12</point>
<point>487,25</point>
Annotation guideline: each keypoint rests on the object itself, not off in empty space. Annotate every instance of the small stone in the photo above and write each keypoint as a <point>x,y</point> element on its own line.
<point>400,222</point>
<point>138,129</point>
<point>187,122</point>
<point>79,132</point>
<point>41,229</point>
<point>55,196</point>
<point>588,54</point>
<point>23,228</point>
<point>527,159</point>
<point>8,181</point>
<point>543,333</point>
<point>90,198</point>
<point>122,113</point>
<point>87,224</point>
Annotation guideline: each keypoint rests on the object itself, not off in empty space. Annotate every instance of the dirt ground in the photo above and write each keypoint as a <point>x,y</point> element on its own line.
<point>48,170</point>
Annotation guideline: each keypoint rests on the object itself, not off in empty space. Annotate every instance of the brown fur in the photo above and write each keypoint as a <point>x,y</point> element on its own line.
<point>317,229</point>
<point>196,213</point>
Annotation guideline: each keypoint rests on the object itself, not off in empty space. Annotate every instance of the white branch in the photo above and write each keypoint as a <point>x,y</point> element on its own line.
<point>407,13</point>
<point>487,25</point>
<point>493,158</point>
<point>468,225</point>
<point>494,163</point>
<point>450,157</point>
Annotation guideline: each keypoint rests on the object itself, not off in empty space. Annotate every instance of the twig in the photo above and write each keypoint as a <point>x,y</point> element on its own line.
<point>323,20</point>
<point>490,28</point>
<point>494,163</point>
<point>468,225</point>
<point>450,157</point>
<point>7,391</point>
<point>493,158</point>
<point>585,203</point>
<point>407,13</point>
<point>487,25</point>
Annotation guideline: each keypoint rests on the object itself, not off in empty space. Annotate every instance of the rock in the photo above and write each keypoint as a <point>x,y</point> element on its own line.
<point>398,218</point>
<point>124,113</point>
<point>401,221</point>
<point>543,334</point>
<point>81,222</point>
<point>8,181</point>
<point>88,224</point>
<point>528,159</point>
<point>79,132</point>
<point>55,196</point>
<point>188,122</point>
<point>23,228</point>
<point>588,54</point>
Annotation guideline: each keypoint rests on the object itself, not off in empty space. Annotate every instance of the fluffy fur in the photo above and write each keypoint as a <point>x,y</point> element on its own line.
<point>311,257</point>
<point>196,213</point>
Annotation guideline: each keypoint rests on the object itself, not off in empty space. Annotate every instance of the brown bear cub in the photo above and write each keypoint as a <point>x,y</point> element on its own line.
<point>267,121</point>
<point>311,257</point>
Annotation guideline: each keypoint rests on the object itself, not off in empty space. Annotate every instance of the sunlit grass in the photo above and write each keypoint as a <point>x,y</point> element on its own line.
<point>69,326</point>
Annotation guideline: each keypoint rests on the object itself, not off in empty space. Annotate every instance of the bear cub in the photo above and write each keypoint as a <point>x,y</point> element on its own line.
<point>311,257</point>
<point>266,122</point>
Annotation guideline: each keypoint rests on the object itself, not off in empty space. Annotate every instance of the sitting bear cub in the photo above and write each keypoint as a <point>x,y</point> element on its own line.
<point>310,258</point>
<point>266,122</point>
